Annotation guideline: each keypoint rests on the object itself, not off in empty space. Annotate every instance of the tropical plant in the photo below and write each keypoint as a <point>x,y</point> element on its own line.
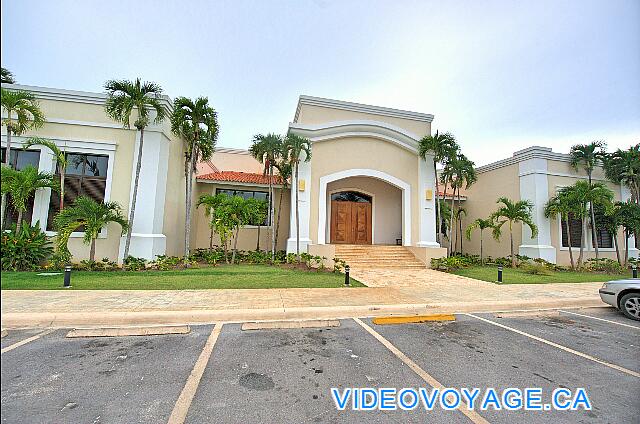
<point>236,212</point>
<point>197,124</point>
<point>610,220</point>
<point>481,224</point>
<point>458,172</point>
<point>211,203</point>
<point>22,185</point>
<point>267,149</point>
<point>6,77</point>
<point>459,214</point>
<point>23,113</point>
<point>296,149</point>
<point>25,249</point>
<point>623,167</point>
<point>257,211</point>
<point>284,171</point>
<point>588,156</point>
<point>630,221</point>
<point>444,222</point>
<point>59,156</point>
<point>513,212</point>
<point>123,97</point>
<point>92,216</point>
<point>561,205</point>
<point>441,147</point>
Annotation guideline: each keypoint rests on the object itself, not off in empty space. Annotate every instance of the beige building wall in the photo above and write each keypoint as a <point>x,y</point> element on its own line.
<point>482,197</point>
<point>226,159</point>
<point>386,206</point>
<point>248,235</point>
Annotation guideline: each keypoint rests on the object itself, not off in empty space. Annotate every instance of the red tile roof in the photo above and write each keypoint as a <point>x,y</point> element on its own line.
<point>240,177</point>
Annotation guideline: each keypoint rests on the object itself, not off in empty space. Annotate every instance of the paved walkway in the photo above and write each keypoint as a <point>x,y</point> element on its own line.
<point>390,292</point>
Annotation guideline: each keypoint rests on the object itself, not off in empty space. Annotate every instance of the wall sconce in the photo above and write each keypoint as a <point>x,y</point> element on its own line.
<point>301,185</point>
<point>428,194</point>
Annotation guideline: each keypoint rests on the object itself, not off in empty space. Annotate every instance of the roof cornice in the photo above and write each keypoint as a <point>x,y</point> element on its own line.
<point>533,152</point>
<point>359,107</point>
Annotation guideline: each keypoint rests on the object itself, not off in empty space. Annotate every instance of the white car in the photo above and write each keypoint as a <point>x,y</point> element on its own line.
<point>624,295</point>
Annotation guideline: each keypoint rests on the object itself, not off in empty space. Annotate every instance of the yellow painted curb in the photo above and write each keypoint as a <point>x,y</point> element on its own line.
<point>413,319</point>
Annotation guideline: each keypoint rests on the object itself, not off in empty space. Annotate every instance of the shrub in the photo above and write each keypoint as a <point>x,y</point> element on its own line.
<point>535,268</point>
<point>26,250</point>
<point>166,263</point>
<point>338,264</point>
<point>258,257</point>
<point>605,265</point>
<point>104,265</point>
<point>450,263</point>
<point>132,263</point>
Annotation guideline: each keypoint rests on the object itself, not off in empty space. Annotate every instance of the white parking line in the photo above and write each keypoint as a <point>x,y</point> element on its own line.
<point>27,340</point>
<point>472,415</point>
<point>556,345</point>
<point>602,319</point>
<point>181,408</point>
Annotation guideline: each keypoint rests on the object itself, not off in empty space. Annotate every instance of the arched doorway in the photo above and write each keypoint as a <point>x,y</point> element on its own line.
<point>351,221</point>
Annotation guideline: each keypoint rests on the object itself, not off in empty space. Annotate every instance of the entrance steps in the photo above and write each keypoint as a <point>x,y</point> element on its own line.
<point>377,256</point>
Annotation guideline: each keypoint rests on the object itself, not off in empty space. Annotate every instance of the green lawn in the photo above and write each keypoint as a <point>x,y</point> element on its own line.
<point>221,277</point>
<point>517,276</point>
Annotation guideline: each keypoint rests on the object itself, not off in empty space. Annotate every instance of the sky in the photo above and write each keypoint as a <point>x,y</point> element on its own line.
<point>499,75</point>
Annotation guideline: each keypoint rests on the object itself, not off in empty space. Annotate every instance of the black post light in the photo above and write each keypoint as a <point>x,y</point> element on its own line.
<point>500,274</point>
<point>346,276</point>
<point>67,276</point>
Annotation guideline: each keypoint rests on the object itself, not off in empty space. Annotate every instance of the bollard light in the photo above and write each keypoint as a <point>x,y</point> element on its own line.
<point>634,271</point>
<point>499,274</point>
<point>67,276</point>
<point>346,276</point>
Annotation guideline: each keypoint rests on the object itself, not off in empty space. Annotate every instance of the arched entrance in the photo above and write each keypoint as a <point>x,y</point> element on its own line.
<point>351,221</point>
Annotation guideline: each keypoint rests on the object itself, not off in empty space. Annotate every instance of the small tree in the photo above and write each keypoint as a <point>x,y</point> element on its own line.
<point>211,203</point>
<point>257,211</point>
<point>59,156</point>
<point>92,216</point>
<point>6,77</point>
<point>513,212</point>
<point>623,167</point>
<point>630,221</point>
<point>481,224</point>
<point>23,114</point>
<point>295,147</point>
<point>22,186</point>
<point>123,97</point>
<point>284,170</point>
<point>560,205</point>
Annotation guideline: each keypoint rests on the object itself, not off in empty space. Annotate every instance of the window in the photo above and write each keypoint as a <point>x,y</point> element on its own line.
<point>86,175</point>
<point>351,196</point>
<point>19,160</point>
<point>247,194</point>
<point>575,227</point>
<point>605,238</point>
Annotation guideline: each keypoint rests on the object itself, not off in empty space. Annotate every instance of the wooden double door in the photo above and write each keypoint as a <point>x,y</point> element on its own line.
<point>350,222</point>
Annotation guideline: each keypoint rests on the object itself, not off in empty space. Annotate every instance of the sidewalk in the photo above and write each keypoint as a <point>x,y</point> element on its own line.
<point>416,292</point>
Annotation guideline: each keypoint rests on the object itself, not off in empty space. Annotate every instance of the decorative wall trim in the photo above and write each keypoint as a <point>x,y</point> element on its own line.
<point>359,107</point>
<point>533,152</point>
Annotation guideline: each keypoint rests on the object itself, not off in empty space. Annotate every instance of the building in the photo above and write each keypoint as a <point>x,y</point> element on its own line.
<point>364,183</point>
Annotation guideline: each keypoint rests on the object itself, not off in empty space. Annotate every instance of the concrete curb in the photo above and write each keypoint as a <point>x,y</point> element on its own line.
<point>169,317</point>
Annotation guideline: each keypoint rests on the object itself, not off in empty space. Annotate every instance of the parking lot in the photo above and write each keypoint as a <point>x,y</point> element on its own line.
<point>222,373</point>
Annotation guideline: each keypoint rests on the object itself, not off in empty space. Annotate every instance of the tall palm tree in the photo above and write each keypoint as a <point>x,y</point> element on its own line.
<point>23,114</point>
<point>22,185</point>
<point>588,156</point>
<point>267,150</point>
<point>460,172</point>
<point>460,212</point>
<point>6,77</point>
<point>296,146</point>
<point>59,156</point>
<point>284,171</point>
<point>211,203</point>
<point>443,147</point>
<point>611,220</point>
<point>481,224</point>
<point>513,212</point>
<point>92,216</point>
<point>623,167</point>
<point>560,205</point>
<point>123,97</point>
<point>197,124</point>
<point>630,221</point>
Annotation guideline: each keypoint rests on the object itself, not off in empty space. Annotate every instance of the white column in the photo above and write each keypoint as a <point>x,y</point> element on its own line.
<point>46,163</point>
<point>426,181</point>
<point>534,187</point>
<point>304,203</point>
<point>147,240</point>
<point>625,194</point>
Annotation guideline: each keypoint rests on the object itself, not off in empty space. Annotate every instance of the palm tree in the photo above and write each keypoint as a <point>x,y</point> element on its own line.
<point>123,97</point>
<point>460,212</point>
<point>23,113</point>
<point>59,156</point>
<point>630,221</point>
<point>294,147</point>
<point>6,77</point>
<point>513,212</point>
<point>257,211</point>
<point>197,124</point>
<point>588,156</point>
<point>460,173</point>
<point>22,185</point>
<point>623,167</point>
<point>611,220</point>
<point>560,205</point>
<point>92,216</point>
<point>442,147</point>
<point>481,224</point>
<point>211,204</point>
<point>267,149</point>
<point>284,171</point>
